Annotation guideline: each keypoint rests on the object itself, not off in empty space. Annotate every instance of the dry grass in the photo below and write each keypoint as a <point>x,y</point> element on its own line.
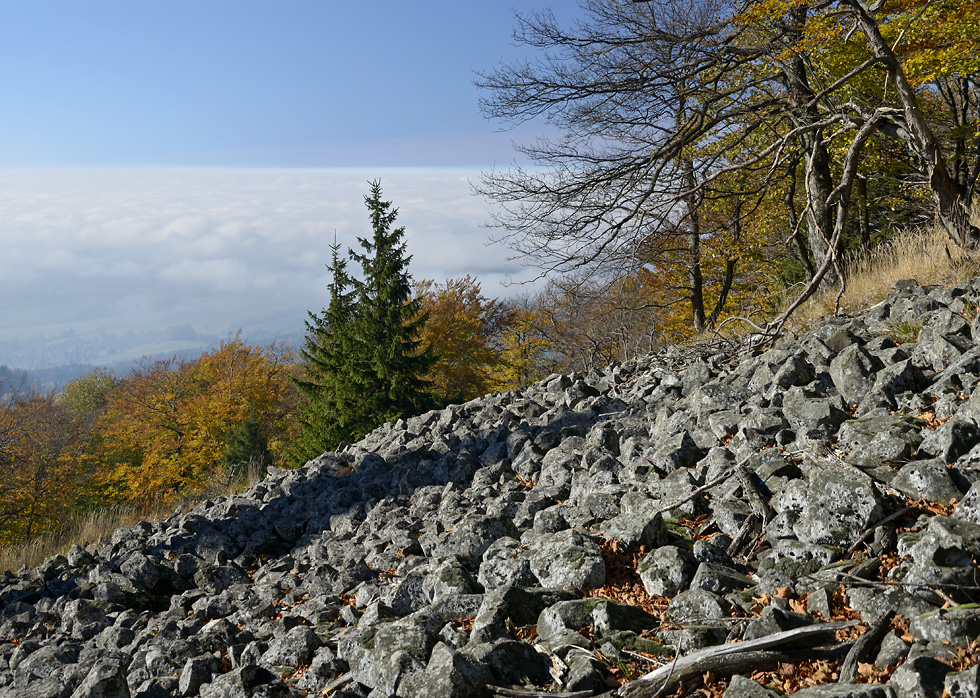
<point>924,255</point>
<point>99,525</point>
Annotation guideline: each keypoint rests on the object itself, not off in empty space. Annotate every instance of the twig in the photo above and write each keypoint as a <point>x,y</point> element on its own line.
<point>706,486</point>
<point>878,524</point>
<point>642,657</point>
<point>924,585</point>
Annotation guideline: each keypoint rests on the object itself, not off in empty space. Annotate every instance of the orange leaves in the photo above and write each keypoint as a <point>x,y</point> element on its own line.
<point>167,425</point>
<point>40,470</point>
<point>623,583</point>
<point>790,678</point>
<point>526,481</point>
<point>464,330</point>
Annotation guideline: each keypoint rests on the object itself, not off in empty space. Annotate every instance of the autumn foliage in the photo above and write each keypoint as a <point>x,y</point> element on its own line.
<point>162,432</point>
<point>39,466</point>
<point>467,333</point>
<point>166,428</point>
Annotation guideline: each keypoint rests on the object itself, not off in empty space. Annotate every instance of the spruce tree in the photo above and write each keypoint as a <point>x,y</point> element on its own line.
<point>363,360</point>
<point>325,386</point>
<point>246,446</point>
<point>391,361</point>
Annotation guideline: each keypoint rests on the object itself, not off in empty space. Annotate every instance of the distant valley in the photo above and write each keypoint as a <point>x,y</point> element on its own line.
<point>46,363</point>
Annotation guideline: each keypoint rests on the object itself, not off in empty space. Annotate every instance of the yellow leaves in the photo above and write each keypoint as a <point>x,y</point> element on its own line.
<point>465,331</point>
<point>932,39</point>
<point>39,466</point>
<point>166,426</point>
<point>524,352</point>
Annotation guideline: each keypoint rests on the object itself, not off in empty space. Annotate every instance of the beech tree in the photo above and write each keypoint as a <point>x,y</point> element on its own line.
<point>464,330</point>
<point>40,470</point>
<point>169,424</point>
<point>668,108</point>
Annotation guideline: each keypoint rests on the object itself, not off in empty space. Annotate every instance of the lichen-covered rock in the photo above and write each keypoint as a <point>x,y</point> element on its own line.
<point>926,479</point>
<point>839,505</point>
<point>880,440</point>
<point>566,560</point>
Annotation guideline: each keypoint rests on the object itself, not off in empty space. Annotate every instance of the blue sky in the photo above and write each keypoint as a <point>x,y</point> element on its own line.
<point>285,83</point>
<point>164,162</point>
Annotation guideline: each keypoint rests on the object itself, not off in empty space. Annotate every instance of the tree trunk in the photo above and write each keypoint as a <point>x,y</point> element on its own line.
<point>692,235</point>
<point>817,178</point>
<point>952,203</point>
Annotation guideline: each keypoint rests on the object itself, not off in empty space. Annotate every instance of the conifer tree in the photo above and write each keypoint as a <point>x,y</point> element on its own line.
<point>325,387</point>
<point>391,362</point>
<point>363,359</point>
<point>247,445</point>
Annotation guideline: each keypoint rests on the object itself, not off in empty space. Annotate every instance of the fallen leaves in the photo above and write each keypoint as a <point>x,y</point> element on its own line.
<point>793,677</point>
<point>623,583</point>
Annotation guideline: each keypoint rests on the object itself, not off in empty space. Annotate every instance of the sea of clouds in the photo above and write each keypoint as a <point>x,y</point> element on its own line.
<point>124,249</point>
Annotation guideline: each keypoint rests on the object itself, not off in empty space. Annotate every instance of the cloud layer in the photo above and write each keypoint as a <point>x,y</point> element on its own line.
<point>222,249</point>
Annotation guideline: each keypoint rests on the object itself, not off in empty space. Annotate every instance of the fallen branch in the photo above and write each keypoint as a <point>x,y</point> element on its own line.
<point>750,654</point>
<point>703,488</point>
<point>514,693</point>
<point>863,647</point>
<point>752,493</point>
<point>747,530</point>
<point>337,683</point>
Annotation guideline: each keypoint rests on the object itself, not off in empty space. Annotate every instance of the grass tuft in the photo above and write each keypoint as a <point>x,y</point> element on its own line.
<point>925,255</point>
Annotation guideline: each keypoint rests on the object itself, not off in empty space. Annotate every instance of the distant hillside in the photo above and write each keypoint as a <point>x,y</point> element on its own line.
<point>34,367</point>
<point>16,380</point>
<point>51,361</point>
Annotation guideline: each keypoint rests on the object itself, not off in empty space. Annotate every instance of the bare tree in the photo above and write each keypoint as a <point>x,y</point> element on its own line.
<point>657,104</point>
<point>666,107</point>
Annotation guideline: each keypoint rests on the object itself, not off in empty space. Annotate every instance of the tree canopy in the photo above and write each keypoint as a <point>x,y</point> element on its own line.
<point>691,123</point>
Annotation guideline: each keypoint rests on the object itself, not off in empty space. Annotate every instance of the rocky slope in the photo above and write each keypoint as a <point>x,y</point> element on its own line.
<point>805,519</point>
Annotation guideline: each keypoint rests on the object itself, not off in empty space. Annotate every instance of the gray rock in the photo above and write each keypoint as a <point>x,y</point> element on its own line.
<point>718,578</point>
<point>953,626</point>
<point>847,690</point>
<point>950,441</point>
<point>514,606</point>
<point>510,661</point>
<point>969,507</point>
<point>945,552</point>
<point>667,570</point>
<point>963,684</point>
<point>297,647</point>
<point>840,504</point>
<point>880,440</point>
<point>448,673</point>
<point>853,371</point>
<point>926,479</point>
<point>636,529</point>
<point>106,679</point>
<point>246,682</point>
<point>567,560</point>
<point>921,677</point>
<point>741,687</point>
<point>504,564</point>
<point>196,672</point>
